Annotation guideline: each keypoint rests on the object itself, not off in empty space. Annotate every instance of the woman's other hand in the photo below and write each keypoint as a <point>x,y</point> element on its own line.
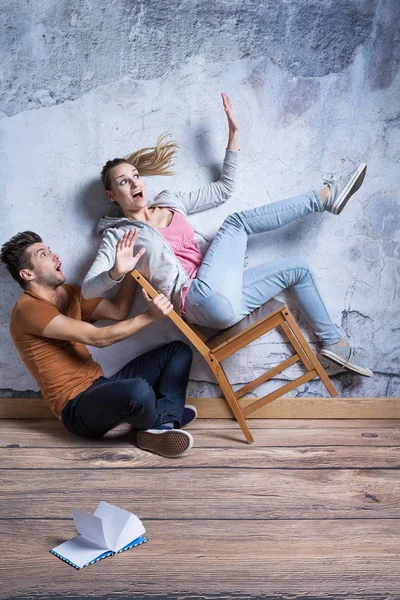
<point>125,260</point>
<point>159,307</point>
<point>232,123</point>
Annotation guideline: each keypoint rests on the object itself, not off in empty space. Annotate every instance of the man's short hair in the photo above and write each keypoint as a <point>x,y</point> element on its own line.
<point>15,256</point>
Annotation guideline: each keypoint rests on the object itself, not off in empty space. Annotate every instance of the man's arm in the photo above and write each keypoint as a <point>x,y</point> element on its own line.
<point>72,330</point>
<point>118,308</point>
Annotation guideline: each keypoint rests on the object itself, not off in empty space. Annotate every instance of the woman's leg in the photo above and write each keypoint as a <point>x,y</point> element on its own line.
<point>222,266</point>
<point>215,296</point>
<point>263,282</point>
<point>223,293</point>
<point>260,284</point>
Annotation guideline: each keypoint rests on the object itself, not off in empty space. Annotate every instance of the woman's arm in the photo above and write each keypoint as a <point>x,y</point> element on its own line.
<point>219,191</point>
<point>233,143</point>
<point>115,258</point>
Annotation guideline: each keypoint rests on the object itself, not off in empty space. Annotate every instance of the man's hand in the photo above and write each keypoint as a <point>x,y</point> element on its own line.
<point>159,307</point>
<point>232,123</point>
<point>125,260</point>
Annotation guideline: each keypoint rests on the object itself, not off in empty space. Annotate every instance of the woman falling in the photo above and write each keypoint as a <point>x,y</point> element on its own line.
<point>214,290</point>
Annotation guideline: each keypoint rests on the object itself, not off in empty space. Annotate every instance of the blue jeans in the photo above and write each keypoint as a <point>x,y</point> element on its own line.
<point>146,392</point>
<point>224,292</point>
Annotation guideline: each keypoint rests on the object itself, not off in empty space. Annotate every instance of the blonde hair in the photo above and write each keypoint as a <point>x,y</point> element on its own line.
<point>156,160</point>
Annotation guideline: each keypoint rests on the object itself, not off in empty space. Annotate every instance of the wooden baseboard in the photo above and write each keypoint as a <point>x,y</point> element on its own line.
<point>217,408</point>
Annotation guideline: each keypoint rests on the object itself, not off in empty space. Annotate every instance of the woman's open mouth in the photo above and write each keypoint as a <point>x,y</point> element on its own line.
<point>137,195</point>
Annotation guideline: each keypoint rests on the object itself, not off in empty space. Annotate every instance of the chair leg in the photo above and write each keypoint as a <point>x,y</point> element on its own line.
<point>297,346</point>
<point>310,354</point>
<point>229,394</point>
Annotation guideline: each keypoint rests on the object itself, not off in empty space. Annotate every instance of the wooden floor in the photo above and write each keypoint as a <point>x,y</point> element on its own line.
<point>310,511</point>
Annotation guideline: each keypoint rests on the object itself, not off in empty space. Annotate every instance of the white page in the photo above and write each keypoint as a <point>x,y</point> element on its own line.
<point>114,520</point>
<point>132,530</point>
<point>90,526</point>
<point>80,550</point>
<point>120,526</point>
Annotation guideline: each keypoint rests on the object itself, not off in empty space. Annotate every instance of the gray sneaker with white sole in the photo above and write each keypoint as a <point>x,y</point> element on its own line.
<point>342,189</point>
<point>347,357</point>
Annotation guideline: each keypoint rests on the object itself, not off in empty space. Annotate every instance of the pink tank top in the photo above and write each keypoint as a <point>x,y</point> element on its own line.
<point>180,236</point>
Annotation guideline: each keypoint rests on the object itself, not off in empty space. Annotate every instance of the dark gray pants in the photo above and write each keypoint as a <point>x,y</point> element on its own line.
<point>146,392</point>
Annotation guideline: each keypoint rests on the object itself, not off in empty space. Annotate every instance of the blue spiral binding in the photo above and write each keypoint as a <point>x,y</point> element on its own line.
<point>140,540</point>
<point>65,559</point>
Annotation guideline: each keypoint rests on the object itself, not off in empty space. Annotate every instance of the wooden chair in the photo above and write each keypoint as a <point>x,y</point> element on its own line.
<point>214,349</point>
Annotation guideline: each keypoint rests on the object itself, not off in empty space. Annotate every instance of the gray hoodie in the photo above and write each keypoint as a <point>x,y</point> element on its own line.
<point>159,264</point>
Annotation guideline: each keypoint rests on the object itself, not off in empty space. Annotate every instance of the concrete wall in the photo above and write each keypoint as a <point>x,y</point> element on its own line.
<point>315,86</point>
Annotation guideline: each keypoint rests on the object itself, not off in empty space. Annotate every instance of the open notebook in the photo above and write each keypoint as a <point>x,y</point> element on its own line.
<point>108,531</point>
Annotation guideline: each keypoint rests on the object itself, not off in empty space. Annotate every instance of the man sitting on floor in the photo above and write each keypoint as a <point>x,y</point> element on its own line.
<point>52,322</point>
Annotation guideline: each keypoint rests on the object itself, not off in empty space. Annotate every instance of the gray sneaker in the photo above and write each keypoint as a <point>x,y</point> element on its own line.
<point>342,190</point>
<point>347,357</point>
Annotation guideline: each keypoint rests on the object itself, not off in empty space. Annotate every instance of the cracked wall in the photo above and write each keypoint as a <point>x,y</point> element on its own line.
<point>315,86</point>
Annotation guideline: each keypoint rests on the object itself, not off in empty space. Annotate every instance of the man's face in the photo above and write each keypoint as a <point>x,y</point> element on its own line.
<point>46,266</point>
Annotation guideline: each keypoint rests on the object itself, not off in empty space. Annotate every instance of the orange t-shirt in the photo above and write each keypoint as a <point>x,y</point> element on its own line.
<point>62,369</point>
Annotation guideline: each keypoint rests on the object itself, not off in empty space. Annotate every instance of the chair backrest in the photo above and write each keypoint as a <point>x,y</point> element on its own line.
<point>197,338</point>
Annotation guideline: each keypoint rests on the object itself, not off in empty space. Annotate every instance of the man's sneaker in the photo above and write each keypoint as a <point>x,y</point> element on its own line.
<point>342,190</point>
<point>346,357</point>
<point>165,442</point>
<point>189,415</point>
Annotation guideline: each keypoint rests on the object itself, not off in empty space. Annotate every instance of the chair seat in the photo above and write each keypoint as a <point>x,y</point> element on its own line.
<point>254,319</point>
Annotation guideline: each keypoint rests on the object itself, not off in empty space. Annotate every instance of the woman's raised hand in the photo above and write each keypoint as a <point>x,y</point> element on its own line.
<point>125,260</point>
<point>232,123</point>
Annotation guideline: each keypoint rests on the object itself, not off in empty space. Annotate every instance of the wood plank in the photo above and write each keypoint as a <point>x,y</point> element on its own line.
<point>255,423</point>
<point>307,408</point>
<point>205,493</point>
<point>50,433</point>
<point>307,457</point>
<point>297,423</point>
<point>217,408</point>
<point>270,560</point>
